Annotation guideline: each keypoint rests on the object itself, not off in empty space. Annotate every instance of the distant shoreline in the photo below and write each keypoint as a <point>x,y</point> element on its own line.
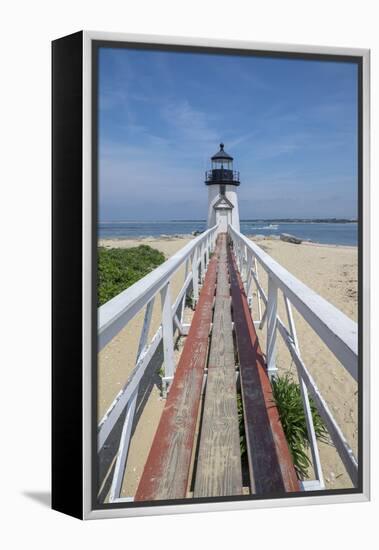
<point>249,220</point>
<point>337,232</point>
<point>171,238</point>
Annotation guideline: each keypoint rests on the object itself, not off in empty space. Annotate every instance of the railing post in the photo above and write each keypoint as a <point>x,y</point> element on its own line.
<point>183,305</point>
<point>145,328</point>
<point>240,255</point>
<point>202,269</point>
<point>168,338</point>
<point>236,253</point>
<point>258,294</point>
<point>244,264</point>
<point>122,453</point>
<point>249,278</point>
<point>195,277</point>
<point>306,403</point>
<point>271,308</point>
<point>207,253</point>
<point>126,434</point>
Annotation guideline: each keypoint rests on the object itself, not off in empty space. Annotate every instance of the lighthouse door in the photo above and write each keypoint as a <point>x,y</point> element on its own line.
<point>223,218</point>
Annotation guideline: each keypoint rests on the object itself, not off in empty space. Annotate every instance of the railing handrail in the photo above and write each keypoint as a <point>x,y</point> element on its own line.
<point>115,314</point>
<point>337,331</point>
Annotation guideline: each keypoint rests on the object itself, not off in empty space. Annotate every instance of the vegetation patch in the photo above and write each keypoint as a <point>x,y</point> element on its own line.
<point>287,396</point>
<point>190,301</point>
<point>119,268</point>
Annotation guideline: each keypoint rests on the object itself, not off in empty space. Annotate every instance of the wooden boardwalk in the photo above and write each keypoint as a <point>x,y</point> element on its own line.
<point>215,452</point>
<point>218,471</point>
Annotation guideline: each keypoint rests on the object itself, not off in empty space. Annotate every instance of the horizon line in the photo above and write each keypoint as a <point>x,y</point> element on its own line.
<point>294,218</point>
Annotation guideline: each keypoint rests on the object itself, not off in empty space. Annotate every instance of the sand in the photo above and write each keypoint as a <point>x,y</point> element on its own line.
<point>329,270</point>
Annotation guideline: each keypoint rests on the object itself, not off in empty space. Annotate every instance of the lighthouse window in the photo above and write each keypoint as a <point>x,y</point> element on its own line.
<point>222,189</point>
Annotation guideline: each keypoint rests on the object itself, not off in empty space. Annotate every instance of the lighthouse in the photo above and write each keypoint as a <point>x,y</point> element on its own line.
<point>222,182</point>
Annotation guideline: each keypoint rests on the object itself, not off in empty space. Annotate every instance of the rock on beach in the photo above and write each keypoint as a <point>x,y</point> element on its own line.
<point>290,238</point>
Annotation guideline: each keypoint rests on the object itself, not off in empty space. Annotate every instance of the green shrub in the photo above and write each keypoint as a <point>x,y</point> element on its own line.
<point>119,268</point>
<point>190,301</point>
<point>288,400</point>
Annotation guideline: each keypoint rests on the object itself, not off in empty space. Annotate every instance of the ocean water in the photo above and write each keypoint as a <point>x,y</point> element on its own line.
<point>324,232</point>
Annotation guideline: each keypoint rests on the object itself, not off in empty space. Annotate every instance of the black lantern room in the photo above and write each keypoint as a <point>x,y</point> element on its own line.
<point>222,170</point>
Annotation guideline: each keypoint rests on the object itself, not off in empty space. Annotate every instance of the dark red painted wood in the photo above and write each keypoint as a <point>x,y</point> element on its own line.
<point>166,472</point>
<point>270,462</point>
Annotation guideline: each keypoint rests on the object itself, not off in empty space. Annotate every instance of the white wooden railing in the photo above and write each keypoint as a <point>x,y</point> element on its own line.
<point>118,312</point>
<point>335,329</point>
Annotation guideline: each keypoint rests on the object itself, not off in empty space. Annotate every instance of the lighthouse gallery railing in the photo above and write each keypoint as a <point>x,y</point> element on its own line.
<point>336,330</point>
<point>118,312</point>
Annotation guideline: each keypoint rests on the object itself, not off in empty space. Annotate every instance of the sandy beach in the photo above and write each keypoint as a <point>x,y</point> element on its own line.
<point>329,270</point>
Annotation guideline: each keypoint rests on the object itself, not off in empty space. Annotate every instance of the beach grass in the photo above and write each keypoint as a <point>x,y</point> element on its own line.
<point>287,397</point>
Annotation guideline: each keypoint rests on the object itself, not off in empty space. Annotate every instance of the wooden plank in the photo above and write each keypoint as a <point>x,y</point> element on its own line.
<point>270,462</point>
<point>166,472</point>
<point>218,471</point>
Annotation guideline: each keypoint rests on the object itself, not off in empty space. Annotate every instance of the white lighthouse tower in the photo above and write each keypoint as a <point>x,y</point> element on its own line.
<point>222,182</point>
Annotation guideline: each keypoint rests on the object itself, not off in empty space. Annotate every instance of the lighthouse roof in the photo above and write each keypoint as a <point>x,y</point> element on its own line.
<point>221,154</point>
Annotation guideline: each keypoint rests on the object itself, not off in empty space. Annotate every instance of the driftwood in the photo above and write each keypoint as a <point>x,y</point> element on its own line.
<point>290,238</point>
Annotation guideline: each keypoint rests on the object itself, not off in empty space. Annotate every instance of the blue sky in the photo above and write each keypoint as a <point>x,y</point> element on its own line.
<point>291,126</point>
